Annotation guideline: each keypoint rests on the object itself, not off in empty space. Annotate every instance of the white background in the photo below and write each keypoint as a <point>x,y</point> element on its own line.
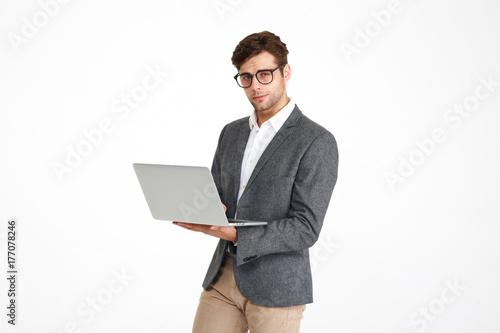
<point>385,254</point>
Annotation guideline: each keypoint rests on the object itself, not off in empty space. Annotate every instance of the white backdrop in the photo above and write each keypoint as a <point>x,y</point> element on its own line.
<point>410,89</point>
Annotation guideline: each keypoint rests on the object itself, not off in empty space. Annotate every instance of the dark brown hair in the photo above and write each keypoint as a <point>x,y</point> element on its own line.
<point>256,43</point>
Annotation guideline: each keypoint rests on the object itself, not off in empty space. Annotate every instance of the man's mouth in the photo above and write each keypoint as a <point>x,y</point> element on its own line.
<point>259,97</point>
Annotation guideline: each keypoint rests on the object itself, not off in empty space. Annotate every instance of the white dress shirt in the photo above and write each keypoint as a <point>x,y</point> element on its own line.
<point>258,141</point>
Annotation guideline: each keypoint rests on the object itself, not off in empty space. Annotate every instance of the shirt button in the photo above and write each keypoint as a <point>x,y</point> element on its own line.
<point>244,186</point>
<point>251,161</point>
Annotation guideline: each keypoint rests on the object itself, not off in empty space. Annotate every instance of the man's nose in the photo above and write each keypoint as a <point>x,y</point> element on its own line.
<point>255,85</point>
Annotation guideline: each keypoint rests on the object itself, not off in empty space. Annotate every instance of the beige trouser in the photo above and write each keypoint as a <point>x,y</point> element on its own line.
<point>223,309</point>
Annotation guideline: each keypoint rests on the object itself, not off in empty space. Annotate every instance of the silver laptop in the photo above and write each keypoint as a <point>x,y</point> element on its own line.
<point>184,194</point>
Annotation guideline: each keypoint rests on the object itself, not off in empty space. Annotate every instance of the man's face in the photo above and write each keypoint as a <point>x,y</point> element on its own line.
<point>266,97</point>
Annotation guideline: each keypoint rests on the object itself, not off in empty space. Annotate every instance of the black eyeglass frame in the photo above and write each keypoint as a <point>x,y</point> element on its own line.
<point>262,70</point>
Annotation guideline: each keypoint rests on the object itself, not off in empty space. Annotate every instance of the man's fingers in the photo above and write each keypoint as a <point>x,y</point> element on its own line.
<point>212,230</point>
<point>196,227</point>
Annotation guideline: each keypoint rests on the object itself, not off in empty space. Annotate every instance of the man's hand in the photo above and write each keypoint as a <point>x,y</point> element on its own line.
<point>226,233</point>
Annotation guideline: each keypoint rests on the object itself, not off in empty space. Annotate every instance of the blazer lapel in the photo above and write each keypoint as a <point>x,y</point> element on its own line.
<point>240,143</point>
<point>278,139</point>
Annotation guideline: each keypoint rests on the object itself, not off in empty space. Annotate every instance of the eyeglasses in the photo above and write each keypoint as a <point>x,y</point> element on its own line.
<point>264,76</point>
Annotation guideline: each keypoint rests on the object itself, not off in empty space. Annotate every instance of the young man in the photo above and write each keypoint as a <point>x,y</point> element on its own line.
<point>276,166</point>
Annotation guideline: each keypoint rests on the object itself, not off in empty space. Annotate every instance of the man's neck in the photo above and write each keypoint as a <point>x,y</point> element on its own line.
<point>263,116</point>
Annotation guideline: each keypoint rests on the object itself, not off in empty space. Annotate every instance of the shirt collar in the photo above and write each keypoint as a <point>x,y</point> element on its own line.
<point>277,120</point>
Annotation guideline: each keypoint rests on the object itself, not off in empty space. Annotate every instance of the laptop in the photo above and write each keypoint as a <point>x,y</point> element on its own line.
<point>184,194</point>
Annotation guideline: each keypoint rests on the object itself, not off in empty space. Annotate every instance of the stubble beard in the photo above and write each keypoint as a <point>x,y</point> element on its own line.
<point>273,100</point>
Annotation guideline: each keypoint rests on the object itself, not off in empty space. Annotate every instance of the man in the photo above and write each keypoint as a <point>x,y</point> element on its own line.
<point>277,166</point>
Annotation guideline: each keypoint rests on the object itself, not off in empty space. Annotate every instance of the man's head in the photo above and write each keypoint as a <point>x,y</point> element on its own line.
<point>256,53</point>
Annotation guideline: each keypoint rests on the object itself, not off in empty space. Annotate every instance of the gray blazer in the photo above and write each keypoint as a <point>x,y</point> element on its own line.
<point>290,187</point>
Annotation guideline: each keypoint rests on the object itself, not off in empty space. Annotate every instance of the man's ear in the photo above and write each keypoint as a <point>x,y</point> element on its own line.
<point>287,72</point>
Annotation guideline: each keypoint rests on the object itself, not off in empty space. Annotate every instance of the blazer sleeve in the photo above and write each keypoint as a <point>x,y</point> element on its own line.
<point>216,167</point>
<point>312,189</point>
